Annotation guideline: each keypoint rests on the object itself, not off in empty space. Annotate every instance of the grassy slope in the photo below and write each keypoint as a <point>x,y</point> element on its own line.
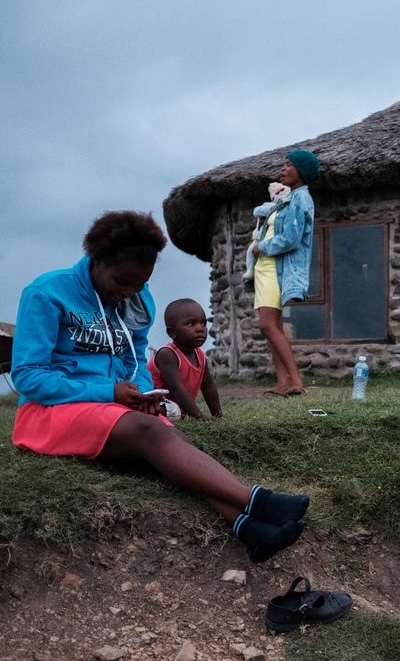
<point>349,461</point>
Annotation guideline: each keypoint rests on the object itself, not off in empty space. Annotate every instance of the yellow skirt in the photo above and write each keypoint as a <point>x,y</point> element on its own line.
<point>266,287</point>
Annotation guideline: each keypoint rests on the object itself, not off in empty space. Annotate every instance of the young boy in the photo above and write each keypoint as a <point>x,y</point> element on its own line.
<point>181,366</point>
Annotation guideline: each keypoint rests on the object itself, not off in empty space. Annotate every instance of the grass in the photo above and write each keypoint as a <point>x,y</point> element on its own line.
<point>355,638</point>
<point>349,461</point>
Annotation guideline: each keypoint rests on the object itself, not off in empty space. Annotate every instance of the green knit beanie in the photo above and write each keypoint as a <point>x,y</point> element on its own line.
<point>306,163</point>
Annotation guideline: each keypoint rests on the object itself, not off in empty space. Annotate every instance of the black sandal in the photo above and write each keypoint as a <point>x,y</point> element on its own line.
<point>309,607</point>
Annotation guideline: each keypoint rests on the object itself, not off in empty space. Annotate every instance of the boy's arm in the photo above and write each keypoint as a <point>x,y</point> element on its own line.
<point>167,363</point>
<point>210,394</point>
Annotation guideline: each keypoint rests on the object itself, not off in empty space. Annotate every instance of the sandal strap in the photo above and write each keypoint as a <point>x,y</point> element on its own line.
<point>295,583</point>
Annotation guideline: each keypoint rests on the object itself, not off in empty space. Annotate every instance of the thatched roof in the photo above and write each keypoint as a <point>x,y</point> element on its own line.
<point>6,339</point>
<point>7,329</point>
<point>364,155</point>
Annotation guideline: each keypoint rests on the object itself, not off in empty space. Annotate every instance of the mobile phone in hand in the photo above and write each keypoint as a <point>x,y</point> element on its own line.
<point>156,391</point>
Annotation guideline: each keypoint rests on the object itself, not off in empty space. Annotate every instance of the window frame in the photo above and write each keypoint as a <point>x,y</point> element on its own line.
<point>323,231</point>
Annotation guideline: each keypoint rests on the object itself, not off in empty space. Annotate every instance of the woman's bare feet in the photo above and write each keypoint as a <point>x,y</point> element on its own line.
<point>285,391</point>
<point>279,392</point>
<point>296,391</point>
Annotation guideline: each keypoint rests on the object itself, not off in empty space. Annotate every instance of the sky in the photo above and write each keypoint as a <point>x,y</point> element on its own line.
<point>109,104</point>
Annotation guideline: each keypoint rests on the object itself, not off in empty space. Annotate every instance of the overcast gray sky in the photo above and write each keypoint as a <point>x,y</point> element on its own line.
<point>109,104</point>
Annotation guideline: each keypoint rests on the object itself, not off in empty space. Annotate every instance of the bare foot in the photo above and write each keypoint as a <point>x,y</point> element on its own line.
<point>280,392</point>
<point>295,391</point>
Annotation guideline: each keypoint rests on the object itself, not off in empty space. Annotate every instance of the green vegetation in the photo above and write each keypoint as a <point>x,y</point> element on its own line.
<point>355,638</point>
<point>349,461</point>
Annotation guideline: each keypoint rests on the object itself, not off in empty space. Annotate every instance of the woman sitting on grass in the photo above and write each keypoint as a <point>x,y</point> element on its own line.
<point>79,364</point>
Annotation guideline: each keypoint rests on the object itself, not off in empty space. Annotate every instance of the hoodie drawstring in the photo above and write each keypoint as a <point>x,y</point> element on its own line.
<point>109,334</point>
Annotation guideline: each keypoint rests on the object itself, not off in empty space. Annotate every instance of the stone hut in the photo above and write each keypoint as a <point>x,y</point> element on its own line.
<point>6,339</point>
<point>354,299</point>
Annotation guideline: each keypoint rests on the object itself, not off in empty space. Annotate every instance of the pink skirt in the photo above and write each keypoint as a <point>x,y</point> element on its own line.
<point>80,428</point>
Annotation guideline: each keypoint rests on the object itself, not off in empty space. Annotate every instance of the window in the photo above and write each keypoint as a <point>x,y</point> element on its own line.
<point>348,286</point>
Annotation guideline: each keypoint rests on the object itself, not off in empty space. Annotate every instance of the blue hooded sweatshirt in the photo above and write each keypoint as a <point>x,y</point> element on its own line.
<point>61,348</point>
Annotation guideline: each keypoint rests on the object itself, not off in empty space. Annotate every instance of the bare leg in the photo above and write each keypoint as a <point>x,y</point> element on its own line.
<point>271,326</point>
<point>145,436</point>
<point>282,377</point>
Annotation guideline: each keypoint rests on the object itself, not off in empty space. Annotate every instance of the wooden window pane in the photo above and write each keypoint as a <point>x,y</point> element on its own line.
<point>304,322</point>
<point>316,268</point>
<point>358,290</point>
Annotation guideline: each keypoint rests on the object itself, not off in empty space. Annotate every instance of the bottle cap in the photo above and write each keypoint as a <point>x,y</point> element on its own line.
<point>362,358</point>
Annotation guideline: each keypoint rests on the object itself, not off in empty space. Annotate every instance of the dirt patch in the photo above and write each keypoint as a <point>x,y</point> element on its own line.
<point>157,589</point>
<point>151,594</point>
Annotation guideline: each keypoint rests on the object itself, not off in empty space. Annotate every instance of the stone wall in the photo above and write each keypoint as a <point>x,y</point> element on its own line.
<point>239,348</point>
<point>6,339</point>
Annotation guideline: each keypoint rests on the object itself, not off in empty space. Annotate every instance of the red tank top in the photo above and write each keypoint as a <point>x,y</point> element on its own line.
<point>191,375</point>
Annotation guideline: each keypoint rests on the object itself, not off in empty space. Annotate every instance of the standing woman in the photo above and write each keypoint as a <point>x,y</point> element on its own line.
<point>79,366</point>
<point>282,268</point>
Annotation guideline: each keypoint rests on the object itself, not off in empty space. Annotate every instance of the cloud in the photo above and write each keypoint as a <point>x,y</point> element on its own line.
<point>108,104</point>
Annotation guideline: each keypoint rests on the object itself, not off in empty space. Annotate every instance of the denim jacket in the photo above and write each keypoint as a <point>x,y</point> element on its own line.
<point>291,244</point>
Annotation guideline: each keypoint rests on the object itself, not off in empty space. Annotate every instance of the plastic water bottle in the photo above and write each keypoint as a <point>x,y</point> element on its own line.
<point>360,380</point>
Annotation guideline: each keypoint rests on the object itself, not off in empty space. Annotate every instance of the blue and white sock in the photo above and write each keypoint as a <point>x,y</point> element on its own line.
<point>263,540</point>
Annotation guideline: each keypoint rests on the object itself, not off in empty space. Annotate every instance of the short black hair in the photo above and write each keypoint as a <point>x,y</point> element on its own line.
<point>173,309</point>
<point>124,235</point>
